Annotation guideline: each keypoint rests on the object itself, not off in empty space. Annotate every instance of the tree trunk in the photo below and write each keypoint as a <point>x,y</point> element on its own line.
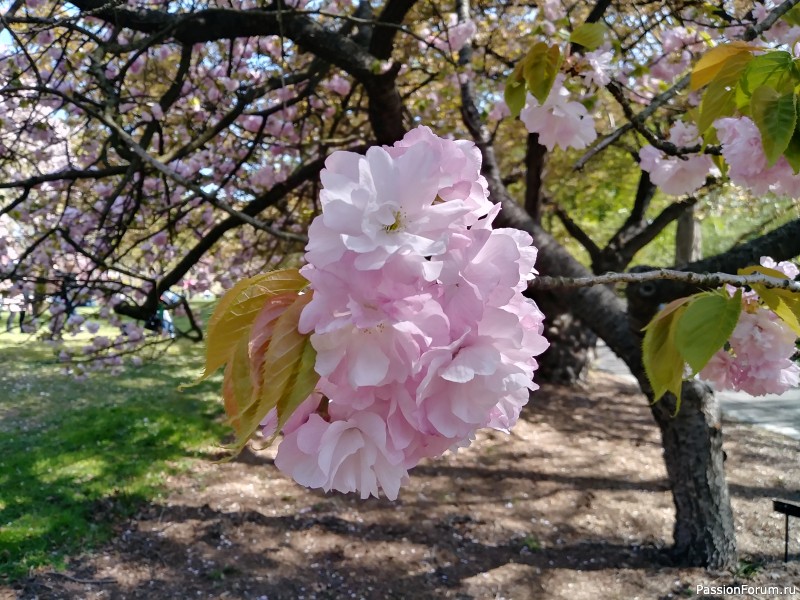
<point>572,343</point>
<point>704,534</point>
<point>688,242</point>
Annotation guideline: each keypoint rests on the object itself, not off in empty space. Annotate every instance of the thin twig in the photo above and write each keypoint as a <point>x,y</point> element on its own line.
<point>78,580</point>
<point>702,279</point>
<point>636,121</point>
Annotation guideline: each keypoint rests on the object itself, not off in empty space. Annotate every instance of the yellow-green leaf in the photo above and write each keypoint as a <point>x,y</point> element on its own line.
<point>773,69</point>
<point>237,310</point>
<point>774,273</point>
<point>662,361</point>
<point>792,16</point>
<point>237,387</point>
<point>775,115</point>
<point>288,371</point>
<point>514,92</point>
<point>714,60</point>
<point>539,68</point>
<point>589,35</point>
<point>719,99</point>
<point>303,385</point>
<point>784,303</point>
<point>261,333</point>
<point>668,310</point>
<point>705,326</point>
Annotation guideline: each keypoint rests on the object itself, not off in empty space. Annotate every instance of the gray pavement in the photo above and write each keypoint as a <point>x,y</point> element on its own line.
<point>780,414</point>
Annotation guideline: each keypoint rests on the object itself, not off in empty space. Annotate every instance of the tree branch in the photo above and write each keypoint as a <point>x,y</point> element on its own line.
<point>664,218</point>
<point>701,280</point>
<point>579,234</point>
<point>534,161</point>
<point>394,12</point>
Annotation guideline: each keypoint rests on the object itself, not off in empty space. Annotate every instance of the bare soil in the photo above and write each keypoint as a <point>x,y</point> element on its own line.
<point>573,504</point>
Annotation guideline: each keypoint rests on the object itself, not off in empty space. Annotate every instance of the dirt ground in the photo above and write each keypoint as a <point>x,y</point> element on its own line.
<point>573,504</point>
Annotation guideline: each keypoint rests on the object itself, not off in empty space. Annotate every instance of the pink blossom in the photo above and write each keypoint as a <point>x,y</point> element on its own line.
<point>372,207</point>
<point>347,456</point>
<point>677,175</point>
<point>743,151</point>
<point>417,317</point>
<point>338,85</point>
<point>554,10</point>
<point>667,67</point>
<point>455,36</point>
<point>759,359</point>
<point>499,111</point>
<point>595,67</point>
<point>559,121</point>
<point>786,267</point>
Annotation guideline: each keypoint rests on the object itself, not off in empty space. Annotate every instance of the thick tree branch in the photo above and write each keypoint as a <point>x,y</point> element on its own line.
<point>579,234</point>
<point>644,194</point>
<point>534,162</point>
<point>385,104</point>
<point>644,298</point>
<point>648,234</point>
<point>596,305</point>
<point>394,12</point>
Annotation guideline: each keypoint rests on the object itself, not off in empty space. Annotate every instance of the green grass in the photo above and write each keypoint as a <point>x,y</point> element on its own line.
<point>77,456</point>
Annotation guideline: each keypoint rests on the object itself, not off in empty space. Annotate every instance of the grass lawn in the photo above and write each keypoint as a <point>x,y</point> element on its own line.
<point>76,456</point>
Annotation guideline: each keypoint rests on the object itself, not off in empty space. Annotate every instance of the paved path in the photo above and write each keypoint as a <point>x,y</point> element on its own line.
<point>780,414</point>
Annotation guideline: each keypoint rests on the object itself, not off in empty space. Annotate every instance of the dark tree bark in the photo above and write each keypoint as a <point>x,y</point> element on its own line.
<point>572,343</point>
<point>704,533</point>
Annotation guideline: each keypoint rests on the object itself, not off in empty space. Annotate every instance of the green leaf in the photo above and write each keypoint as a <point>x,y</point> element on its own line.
<point>288,374</point>
<point>539,68</point>
<point>773,69</point>
<point>663,364</point>
<point>712,62</point>
<point>776,117</point>
<point>719,99</point>
<point>792,152</point>
<point>589,35</point>
<point>705,326</point>
<point>237,310</point>
<point>792,16</point>
<point>515,91</point>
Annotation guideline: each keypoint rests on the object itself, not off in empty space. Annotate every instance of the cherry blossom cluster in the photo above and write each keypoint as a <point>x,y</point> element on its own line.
<point>677,175</point>
<point>758,357</point>
<point>421,330</point>
<point>743,151</point>
<point>560,121</point>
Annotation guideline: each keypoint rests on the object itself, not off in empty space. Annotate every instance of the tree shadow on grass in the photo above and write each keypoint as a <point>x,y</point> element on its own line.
<point>81,456</point>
